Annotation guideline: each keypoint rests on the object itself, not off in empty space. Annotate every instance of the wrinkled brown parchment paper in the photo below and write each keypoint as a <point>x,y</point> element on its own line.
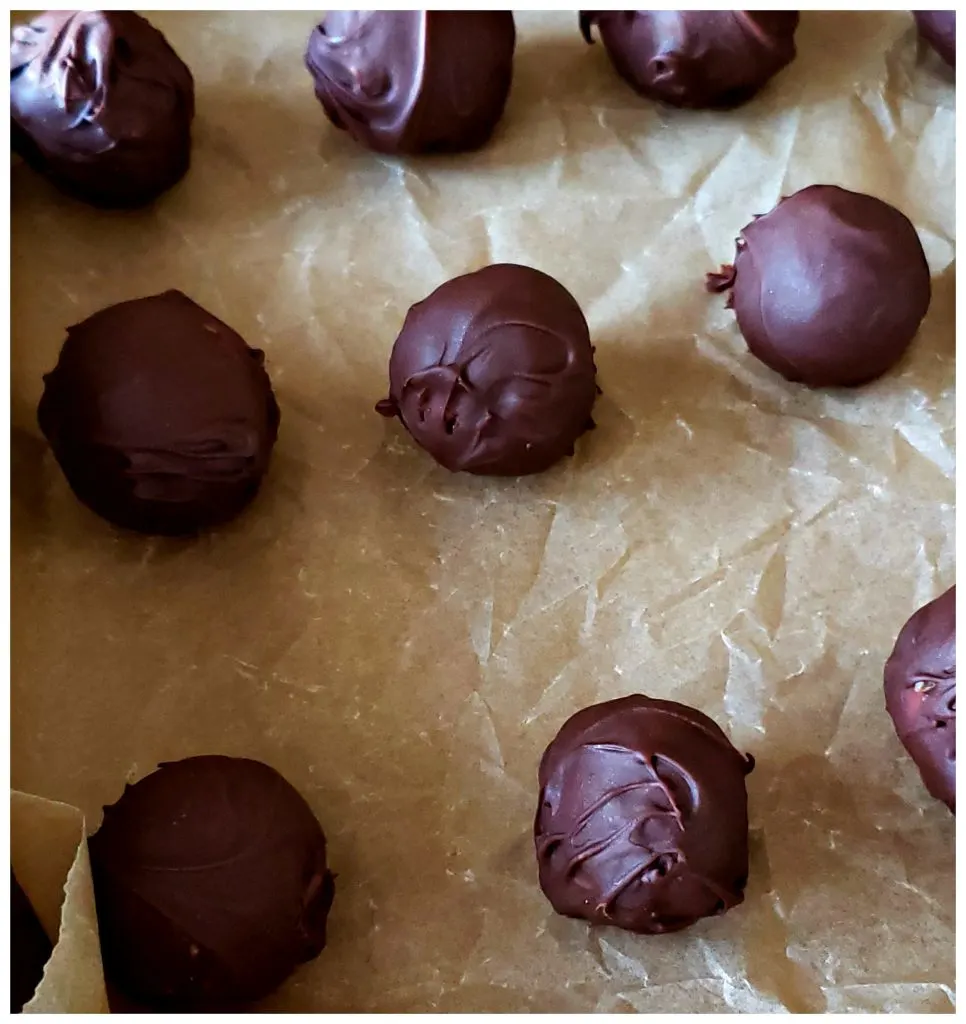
<point>402,643</point>
<point>48,849</point>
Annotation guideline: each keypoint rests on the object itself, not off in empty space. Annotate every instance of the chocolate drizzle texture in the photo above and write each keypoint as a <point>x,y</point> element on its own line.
<point>829,288</point>
<point>642,819</point>
<point>211,884</point>
<point>161,417</point>
<point>414,81</point>
<point>920,693</point>
<point>494,372</point>
<point>713,59</point>
<point>101,105</point>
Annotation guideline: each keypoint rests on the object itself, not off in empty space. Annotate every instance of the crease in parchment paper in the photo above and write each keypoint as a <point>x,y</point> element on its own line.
<point>48,852</point>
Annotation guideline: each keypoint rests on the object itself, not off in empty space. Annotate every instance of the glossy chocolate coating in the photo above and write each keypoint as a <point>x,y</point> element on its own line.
<point>211,885</point>
<point>829,288</point>
<point>696,58</point>
<point>494,372</point>
<point>30,948</point>
<point>920,693</point>
<point>414,81</point>
<point>161,417</point>
<point>938,28</point>
<point>642,819</point>
<point>101,104</point>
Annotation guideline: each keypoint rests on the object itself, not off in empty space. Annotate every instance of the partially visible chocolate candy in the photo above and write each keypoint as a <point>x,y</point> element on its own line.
<point>414,81</point>
<point>696,58</point>
<point>101,105</point>
<point>938,29</point>
<point>920,693</point>
<point>494,372</point>
<point>642,818</point>
<point>211,884</point>
<point>829,288</point>
<point>161,417</point>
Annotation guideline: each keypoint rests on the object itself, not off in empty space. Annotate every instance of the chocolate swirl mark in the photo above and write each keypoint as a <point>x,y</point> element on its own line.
<point>660,851</point>
<point>229,456</point>
<point>68,54</point>
<point>651,830</point>
<point>360,77</point>
<point>226,450</point>
<point>483,407</point>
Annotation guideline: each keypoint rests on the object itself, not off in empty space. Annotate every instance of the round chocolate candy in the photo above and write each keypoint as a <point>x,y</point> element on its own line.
<point>829,288</point>
<point>494,372</point>
<point>642,818</point>
<point>211,885</point>
<point>695,58</point>
<point>101,104</point>
<point>920,693</point>
<point>161,417</point>
<point>414,81</point>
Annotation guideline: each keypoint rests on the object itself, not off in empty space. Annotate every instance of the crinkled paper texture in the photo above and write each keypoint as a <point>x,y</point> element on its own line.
<point>48,851</point>
<point>403,643</point>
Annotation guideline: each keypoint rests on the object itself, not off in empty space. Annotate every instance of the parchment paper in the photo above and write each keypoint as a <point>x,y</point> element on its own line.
<point>402,643</point>
<point>48,849</point>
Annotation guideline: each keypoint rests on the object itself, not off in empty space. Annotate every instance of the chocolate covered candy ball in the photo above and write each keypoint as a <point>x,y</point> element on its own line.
<point>938,29</point>
<point>414,81</point>
<point>695,58</point>
<point>494,372</point>
<point>101,105</point>
<point>920,693</point>
<point>161,417</point>
<point>642,819</point>
<point>211,885</point>
<point>829,288</point>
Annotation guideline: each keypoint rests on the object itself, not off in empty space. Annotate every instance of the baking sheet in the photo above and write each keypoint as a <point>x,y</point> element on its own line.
<point>402,643</point>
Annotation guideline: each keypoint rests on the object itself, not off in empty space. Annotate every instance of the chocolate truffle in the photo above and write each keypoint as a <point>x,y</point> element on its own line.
<point>30,948</point>
<point>920,693</point>
<point>829,288</point>
<point>414,81</point>
<point>211,885</point>
<point>101,104</point>
<point>696,58</point>
<point>494,372</point>
<point>161,417</point>
<point>938,29</point>
<point>642,819</point>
